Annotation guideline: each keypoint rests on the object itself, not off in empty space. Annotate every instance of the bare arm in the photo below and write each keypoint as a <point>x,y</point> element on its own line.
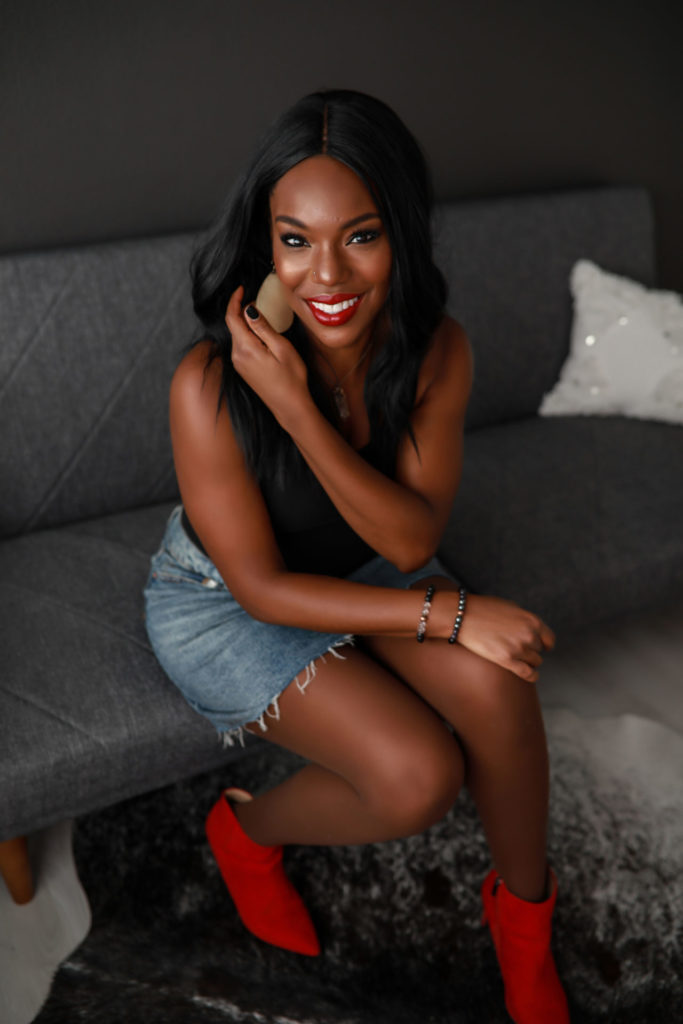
<point>228,511</point>
<point>403,518</point>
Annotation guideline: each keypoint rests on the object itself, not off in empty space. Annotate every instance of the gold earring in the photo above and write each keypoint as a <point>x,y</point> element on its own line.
<point>272,302</point>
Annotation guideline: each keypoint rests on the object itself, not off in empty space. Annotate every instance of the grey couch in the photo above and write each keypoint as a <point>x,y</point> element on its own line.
<point>575,518</point>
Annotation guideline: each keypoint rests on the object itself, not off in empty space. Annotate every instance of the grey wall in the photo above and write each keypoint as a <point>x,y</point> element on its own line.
<point>131,117</point>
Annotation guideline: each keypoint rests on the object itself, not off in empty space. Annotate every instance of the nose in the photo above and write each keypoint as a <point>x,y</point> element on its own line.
<point>328,266</point>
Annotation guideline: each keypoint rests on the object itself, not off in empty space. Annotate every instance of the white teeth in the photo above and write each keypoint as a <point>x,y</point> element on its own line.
<point>337,307</point>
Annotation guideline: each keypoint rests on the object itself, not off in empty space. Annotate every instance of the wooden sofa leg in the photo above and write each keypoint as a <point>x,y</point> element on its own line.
<point>16,869</point>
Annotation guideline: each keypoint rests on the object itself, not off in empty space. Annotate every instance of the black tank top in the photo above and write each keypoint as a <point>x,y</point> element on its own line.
<point>311,534</point>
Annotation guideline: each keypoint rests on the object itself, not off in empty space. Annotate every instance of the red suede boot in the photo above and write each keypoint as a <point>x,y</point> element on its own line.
<point>266,900</point>
<point>521,935</point>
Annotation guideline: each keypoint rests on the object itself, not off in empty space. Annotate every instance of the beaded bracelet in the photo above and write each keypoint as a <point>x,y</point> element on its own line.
<point>458,618</point>
<point>426,608</point>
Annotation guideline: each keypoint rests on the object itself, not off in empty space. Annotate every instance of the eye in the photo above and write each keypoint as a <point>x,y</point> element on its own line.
<point>293,241</point>
<point>363,237</point>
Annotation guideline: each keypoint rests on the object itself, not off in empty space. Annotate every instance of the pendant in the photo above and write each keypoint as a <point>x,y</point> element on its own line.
<point>341,403</point>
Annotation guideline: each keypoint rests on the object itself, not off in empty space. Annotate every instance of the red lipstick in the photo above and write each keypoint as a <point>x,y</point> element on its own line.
<point>333,310</point>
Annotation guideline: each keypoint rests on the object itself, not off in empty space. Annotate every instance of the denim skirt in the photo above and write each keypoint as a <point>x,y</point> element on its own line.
<point>230,667</point>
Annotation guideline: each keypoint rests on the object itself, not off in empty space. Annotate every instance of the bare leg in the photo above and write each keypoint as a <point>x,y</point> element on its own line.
<point>498,721</point>
<point>385,764</point>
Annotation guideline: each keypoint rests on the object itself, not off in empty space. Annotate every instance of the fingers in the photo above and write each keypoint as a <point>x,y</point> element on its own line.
<point>233,313</point>
<point>547,636</point>
<point>249,325</point>
<point>235,322</point>
<point>269,337</point>
<point>525,663</point>
<point>238,322</point>
<point>532,657</point>
<point>528,658</point>
<point>235,301</point>
<point>524,671</point>
<point>541,636</point>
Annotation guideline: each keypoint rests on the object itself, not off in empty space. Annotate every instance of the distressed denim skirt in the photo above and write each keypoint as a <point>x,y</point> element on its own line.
<point>230,667</point>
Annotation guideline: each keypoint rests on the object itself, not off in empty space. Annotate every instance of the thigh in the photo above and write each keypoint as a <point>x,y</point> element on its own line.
<point>359,720</point>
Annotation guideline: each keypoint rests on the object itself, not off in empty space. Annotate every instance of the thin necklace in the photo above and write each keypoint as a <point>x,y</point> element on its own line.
<point>338,392</point>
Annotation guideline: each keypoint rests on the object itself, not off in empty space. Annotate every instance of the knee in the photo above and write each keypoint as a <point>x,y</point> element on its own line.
<point>418,786</point>
<point>508,703</point>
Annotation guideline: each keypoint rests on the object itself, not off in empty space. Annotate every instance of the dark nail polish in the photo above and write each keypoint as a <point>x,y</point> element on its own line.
<point>252,312</point>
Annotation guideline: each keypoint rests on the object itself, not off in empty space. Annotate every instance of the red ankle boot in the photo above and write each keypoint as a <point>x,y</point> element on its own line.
<point>266,900</point>
<point>521,935</point>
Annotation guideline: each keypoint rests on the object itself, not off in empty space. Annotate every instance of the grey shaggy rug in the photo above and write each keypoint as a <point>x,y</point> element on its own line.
<point>399,921</point>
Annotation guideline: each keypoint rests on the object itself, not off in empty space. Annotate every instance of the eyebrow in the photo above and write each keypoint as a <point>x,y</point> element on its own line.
<point>349,224</point>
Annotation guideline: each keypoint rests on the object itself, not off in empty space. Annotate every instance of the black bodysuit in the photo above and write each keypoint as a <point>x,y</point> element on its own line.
<point>311,534</point>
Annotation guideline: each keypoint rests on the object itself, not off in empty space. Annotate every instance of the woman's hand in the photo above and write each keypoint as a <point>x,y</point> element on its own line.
<point>498,630</point>
<point>267,361</point>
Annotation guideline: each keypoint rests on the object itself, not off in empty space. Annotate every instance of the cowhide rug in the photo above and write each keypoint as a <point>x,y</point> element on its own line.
<point>399,921</point>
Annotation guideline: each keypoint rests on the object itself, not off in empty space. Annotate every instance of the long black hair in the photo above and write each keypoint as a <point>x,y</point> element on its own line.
<point>368,137</point>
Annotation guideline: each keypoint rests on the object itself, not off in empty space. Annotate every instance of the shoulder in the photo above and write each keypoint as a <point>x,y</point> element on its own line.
<point>197,375</point>
<point>197,414</point>
<point>196,383</point>
<point>202,435</point>
<point>448,363</point>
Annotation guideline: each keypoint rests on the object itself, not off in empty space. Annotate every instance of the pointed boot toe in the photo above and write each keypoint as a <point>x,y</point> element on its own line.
<point>267,902</point>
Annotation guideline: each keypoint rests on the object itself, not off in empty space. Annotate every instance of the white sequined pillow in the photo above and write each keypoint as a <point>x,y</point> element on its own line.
<point>626,351</point>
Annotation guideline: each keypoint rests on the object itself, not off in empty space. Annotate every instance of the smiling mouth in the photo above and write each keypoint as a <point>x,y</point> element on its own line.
<point>334,309</point>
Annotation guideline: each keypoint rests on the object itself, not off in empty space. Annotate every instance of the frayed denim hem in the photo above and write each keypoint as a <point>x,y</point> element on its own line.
<point>229,737</point>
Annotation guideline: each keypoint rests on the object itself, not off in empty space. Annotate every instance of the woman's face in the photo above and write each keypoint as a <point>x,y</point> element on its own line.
<point>330,250</point>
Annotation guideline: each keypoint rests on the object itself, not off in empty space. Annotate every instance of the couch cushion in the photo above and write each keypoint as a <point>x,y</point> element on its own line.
<point>577,519</point>
<point>89,338</point>
<point>87,717</point>
<point>507,262</point>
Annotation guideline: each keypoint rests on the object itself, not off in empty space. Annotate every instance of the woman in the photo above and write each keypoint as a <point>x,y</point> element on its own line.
<point>317,430</point>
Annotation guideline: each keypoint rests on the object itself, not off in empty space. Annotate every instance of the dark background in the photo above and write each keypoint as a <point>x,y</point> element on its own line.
<point>131,117</point>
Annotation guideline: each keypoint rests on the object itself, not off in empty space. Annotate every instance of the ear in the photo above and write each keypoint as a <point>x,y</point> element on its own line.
<point>272,302</point>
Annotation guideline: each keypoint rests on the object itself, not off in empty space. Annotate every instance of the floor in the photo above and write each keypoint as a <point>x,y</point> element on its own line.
<point>633,665</point>
<point>630,667</point>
